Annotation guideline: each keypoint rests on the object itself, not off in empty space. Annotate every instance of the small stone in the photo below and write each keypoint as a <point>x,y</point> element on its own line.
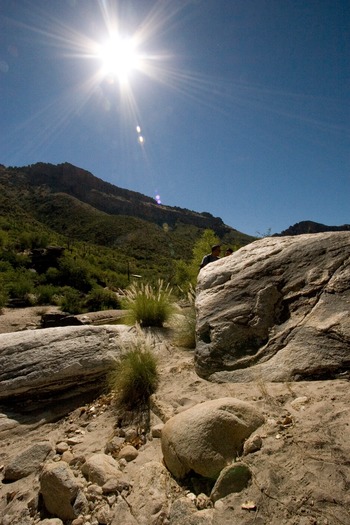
<point>122,463</point>
<point>67,456</point>
<point>299,402</point>
<point>113,446</point>
<point>191,496</point>
<point>130,434</point>
<point>112,485</point>
<point>74,441</point>
<point>103,515</point>
<point>203,502</point>
<point>94,489</point>
<point>129,453</point>
<point>252,444</point>
<point>111,500</point>
<point>62,447</point>
<point>157,430</point>
<point>248,505</point>
<point>78,521</point>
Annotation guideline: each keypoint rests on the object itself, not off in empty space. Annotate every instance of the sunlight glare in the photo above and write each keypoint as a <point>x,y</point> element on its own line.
<point>119,57</point>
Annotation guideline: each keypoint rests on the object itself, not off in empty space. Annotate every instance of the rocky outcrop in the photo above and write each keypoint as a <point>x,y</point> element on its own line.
<point>208,436</point>
<point>37,362</point>
<point>276,310</point>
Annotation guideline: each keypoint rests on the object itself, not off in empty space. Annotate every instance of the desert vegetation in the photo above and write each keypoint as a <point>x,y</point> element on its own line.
<point>149,305</point>
<point>86,276</point>
<point>135,376</point>
<point>108,240</point>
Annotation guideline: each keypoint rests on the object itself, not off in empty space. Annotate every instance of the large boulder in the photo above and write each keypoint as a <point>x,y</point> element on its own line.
<point>100,468</point>
<point>208,437</point>
<point>27,461</point>
<point>62,494</point>
<point>276,310</point>
<point>57,359</point>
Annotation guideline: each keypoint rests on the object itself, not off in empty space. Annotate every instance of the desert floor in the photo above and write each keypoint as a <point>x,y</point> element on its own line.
<point>301,475</point>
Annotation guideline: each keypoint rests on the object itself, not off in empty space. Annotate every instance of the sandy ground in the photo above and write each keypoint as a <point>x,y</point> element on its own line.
<point>301,475</point>
<point>16,319</point>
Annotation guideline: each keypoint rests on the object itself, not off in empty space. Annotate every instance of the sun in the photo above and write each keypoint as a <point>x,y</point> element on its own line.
<point>119,57</point>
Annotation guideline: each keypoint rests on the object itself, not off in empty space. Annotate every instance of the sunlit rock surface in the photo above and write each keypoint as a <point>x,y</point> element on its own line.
<point>276,310</point>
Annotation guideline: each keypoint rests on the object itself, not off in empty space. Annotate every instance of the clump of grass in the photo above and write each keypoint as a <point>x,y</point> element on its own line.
<point>149,305</point>
<point>185,325</point>
<point>135,376</point>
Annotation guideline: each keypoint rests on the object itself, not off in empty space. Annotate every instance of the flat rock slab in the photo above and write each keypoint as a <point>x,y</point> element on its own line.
<point>38,362</point>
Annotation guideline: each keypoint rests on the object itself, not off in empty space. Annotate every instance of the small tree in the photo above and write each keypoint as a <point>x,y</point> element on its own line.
<point>201,247</point>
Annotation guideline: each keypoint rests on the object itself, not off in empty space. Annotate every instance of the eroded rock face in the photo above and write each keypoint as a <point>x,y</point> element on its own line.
<point>208,436</point>
<point>56,359</point>
<point>276,310</point>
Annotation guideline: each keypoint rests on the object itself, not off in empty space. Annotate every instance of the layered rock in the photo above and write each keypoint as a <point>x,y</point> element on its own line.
<point>276,310</point>
<point>57,359</point>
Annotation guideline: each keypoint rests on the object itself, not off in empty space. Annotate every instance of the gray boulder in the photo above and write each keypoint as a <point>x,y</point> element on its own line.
<point>27,461</point>
<point>100,468</point>
<point>57,359</point>
<point>208,436</point>
<point>62,494</point>
<point>276,310</point>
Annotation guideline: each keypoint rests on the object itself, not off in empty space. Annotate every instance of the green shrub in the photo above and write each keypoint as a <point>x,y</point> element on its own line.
<point>149,305</point>
<point>52,275</point>
<point>101,299</point>
<point>185,324</point>
<point>20,284</point>
<point>71,302</point>
<point>135,377</point>
<point>46,294</point>
<point>75,273</point>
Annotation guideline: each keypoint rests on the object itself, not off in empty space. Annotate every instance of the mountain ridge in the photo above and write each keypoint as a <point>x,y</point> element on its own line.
<point>68,205</point>
<point>114,200</point>
<point>303,227</point>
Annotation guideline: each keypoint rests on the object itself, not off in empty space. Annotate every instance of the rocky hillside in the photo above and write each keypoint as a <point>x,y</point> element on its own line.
<point>65,179</point>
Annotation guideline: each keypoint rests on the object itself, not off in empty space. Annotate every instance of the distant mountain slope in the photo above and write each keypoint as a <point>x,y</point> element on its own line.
<point>75,203</point>
<point>114,200</point>
<point>311,227</point>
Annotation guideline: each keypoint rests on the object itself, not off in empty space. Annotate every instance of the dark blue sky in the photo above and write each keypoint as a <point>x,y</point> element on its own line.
<point>243,105</point>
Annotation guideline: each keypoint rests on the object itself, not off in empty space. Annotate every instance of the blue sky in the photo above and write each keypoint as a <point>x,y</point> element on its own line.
<point>243,106</point>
